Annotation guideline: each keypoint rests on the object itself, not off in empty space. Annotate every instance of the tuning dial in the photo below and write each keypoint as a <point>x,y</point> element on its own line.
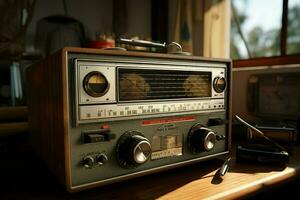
<point>88,162</point>
<point>219,84</point>
<point>133,149</point>
<point>201,139</point>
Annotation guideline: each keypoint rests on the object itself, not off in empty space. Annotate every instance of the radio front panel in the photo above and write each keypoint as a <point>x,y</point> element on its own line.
<point>133,89</point>
<point>127,104</point>
<point>168,138</point>
<point>108,116</point>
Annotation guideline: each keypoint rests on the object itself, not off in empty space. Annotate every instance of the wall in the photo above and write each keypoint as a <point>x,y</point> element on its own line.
<point>210,24</point>
<point>95,15</point>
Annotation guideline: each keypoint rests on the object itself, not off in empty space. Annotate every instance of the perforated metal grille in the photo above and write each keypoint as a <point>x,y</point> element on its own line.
<point>144,84</point>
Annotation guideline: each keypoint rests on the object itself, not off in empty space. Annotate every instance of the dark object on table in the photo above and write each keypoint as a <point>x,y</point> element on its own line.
<point>270,152</point>
<point>258,153</point>
<point>286,136</point>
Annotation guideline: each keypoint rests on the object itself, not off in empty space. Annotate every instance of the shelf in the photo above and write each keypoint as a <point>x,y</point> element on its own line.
<point>13,128</point>
<point>13,120</point>
<point>18,113</point>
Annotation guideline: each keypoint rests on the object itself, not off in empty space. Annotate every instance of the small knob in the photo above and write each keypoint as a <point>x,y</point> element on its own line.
<point>133,149</point>
<point>101,159</point>
<point>201,139</point>
<point>219,84</point>
<point>88,162</point>
<point>209,140</point>
<point>141,151</point>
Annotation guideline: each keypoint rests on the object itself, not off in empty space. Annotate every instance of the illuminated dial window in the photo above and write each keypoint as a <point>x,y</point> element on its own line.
<point>95,84</point>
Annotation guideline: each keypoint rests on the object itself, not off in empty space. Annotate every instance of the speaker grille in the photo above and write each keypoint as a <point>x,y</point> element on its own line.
<point>149,84</point>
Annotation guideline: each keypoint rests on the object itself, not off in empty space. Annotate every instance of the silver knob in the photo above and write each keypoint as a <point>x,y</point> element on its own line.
<point>88,162</point>
<point>201,139</point>
<point>101,159</point>
<point>209,141</point>
<point>141,151</point>
<point>133,149</point>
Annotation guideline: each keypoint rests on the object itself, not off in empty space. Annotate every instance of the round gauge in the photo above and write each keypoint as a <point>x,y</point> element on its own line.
<point>219,84</point>
<point>95,84</point>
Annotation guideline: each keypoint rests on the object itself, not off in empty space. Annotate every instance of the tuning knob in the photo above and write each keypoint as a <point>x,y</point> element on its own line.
<point>219,84</point>
<point>201,139</point>
<point>133,149</point>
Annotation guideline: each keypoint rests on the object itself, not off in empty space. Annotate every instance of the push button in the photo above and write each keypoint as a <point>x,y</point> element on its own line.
<point>93,137</point>
<point>215,122</point>
<point>102,135</point>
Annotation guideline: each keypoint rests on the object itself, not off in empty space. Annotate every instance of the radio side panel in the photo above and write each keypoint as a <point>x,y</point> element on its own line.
<point>229,103</point>
<point>48,112</point>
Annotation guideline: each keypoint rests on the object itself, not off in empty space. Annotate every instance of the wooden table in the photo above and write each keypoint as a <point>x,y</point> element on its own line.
<point>23,176</point>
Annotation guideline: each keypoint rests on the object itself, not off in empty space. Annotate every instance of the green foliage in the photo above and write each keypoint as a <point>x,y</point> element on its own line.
<point>266,43</point>
<point>293,41</point>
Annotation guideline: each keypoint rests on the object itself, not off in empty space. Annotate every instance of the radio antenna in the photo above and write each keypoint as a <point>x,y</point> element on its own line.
<point>260,132</point>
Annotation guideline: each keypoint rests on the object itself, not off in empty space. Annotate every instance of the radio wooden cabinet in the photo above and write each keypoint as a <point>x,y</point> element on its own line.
<point>102,116</point>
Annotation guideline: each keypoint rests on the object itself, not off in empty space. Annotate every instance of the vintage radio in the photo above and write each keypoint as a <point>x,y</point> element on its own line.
<point>101,116</point>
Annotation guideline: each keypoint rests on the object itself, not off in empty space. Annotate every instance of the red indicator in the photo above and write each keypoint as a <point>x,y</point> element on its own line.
<point>105,126</point>
<point>168,120</point>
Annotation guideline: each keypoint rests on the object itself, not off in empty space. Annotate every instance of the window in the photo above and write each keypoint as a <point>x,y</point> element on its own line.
<point>293,31</point>
<point>256,28</point>
<point>265,28</point>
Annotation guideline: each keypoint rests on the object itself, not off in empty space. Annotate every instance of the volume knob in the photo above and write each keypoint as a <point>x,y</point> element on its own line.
<point>201,139</point>
<point>133,149</point>
<point>88,162</point>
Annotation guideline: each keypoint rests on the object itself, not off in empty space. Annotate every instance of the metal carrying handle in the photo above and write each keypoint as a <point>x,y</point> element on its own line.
<point>142,43</point>
<point>145,43</point>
